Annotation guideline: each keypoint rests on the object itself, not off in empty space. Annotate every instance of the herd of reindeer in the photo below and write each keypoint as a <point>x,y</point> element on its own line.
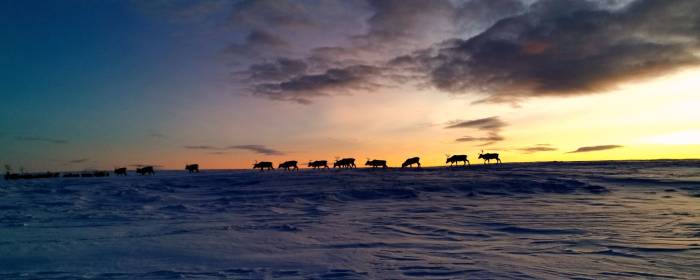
<point>349,163</point>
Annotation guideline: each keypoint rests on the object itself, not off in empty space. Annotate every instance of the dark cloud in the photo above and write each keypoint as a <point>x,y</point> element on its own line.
<point>561,48</point>
<point>260,149</point>
<point>41,139</point>
<point>488,140</point>
<point>302,88</point>
<point>278,70</point>
<point>204,147</point>
<point>501,50</point>
<point>595,148</point>
<point>393,27</point>
<point>256,43</point>
<point>477,15</point>
<point>491,125</point>
<point>396,21</point>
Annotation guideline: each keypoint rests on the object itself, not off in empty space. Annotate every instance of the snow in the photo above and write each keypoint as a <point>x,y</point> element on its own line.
<point>589,220</point>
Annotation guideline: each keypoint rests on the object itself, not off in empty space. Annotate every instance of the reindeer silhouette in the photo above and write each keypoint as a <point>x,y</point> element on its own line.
<point>345,163</point>
<point>489,156</point>
<point>289,165</point>
<point>376,163</point>
<point>318,164</point>
<point>192,168</point>
<point>452,160</point>
<point>410,162</point>
<point>263,165</point>
<point>146,170</point>
<point>120,171</point>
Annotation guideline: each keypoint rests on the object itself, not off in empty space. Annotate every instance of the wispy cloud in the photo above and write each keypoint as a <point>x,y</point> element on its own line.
<point>144,164</point>
<point>595,148</point>
<point>260,149</point>
<point>490,138</point>
<point>204,147</point>
<point>537,148</point>
<point>41,139</point>
<point>76,161</point>
<point>157,135</point>
<point>491,125</point>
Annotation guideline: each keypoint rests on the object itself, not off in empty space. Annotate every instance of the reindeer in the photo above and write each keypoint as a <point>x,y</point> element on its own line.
<point>192,168</point>
<point>318,164</point>
<point>100,173</point>
<point>146,170</point>
<point>120,171</point>
<point>410,162</point>
<point>376,163</point>
<point>262,165</point>
<point>346,162</point>
<point>8,172</point>
<point>489,156</point>
<point>452,160</point>
<point>289,165</point>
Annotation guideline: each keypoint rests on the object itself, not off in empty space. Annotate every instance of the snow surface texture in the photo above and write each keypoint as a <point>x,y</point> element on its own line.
<point>606,220</point>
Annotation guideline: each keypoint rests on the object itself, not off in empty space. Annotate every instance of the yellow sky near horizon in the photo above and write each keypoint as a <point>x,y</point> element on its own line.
<point>653,119</point>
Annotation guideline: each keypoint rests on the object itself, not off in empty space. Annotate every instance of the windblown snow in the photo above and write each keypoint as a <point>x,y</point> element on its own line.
<point>594,220</point>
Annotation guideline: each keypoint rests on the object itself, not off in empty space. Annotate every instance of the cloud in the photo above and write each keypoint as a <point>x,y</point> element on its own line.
<point>271,13</point>
<point>41,139</point>
<point>473,17</point>
<point>564,48</point>
<point>337,65</point>
<point>406,21</point>
<point>157,135</point>
<point>256,44</point>
<point>139,165</point>
<point>490,123</point>
<point>502,51</point>
<point>203,147</point>
<point>260,149</point>
<point>488,140</point>
<point>302,89</point>
<point>595,148</point>
<point>278,70</point>
<point>538,148</point>
<point>76,161</point>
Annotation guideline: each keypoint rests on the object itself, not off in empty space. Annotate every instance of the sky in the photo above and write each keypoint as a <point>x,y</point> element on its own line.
<point>103,84</point>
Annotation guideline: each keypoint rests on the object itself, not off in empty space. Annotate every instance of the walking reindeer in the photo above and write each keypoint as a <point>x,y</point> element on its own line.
<point>455,159</point>
<point>489,156</point>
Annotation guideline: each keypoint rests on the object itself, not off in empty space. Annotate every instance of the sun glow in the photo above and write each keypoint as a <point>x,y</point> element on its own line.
<point>688,137</point>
